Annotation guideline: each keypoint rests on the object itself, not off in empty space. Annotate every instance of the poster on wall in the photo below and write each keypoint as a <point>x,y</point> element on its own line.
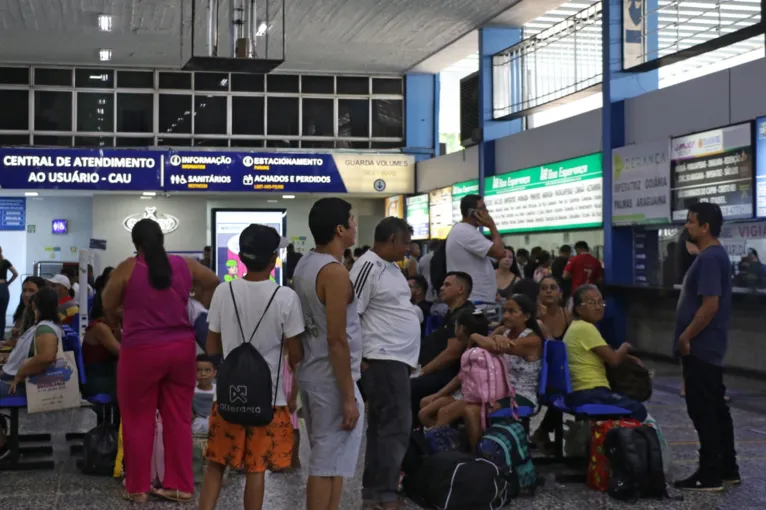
<point>714,166</point>
<point>760,167</point>
<point>440,212</point>
<point>417,216</point>
<point>641,184</point>
<point>555,196</point>
<point>633,27</point>
<point>395,206</point>
<point>228,224</point>
<point>460,190</point>
<point>281,172</point>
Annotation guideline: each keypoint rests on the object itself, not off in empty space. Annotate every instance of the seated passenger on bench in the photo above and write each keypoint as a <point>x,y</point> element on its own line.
<point>589,354</point>
<point>35,351</point>
<point>100,350</point>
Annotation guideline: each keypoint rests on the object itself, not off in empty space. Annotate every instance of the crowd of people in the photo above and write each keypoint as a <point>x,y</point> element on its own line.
<point>353,333</point>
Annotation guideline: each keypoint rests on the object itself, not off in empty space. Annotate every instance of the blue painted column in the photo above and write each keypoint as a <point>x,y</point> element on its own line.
<point>421,115</point>
<point>491,41</point>
<point>617,87</point>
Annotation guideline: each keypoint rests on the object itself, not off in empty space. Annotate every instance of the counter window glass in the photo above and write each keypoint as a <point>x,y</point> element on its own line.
<point>135,113</point>
<point>53,77</point>
<point>211,142</point>
<point>93,141</point>
<point>178,81</point>
<point>94,78</point>
<point>210,115</point>
<point>52,141</point>
<point>15,109</point>
<point>318,115</point>
<point>247,142</point>
<point>317,84</point>
<point>53,111</point>
<point>317,144</point>
<point>353,118</point>
<point>14,140</point>
<point>282,116</point>
<point>174,141</point>
<point>247,115</point>
<point>14,75</point>
<point>387,115</point>
<point>132,141</point>
<point>175,113</point>
<point>135,79</point>
<point>95,112</point>
<point>282,83</point>
<point>211,81</point>
<point>353,85</point>
<point>247,82</point>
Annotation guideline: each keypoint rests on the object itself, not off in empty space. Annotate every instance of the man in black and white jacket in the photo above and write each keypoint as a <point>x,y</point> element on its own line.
<point>391,345</point>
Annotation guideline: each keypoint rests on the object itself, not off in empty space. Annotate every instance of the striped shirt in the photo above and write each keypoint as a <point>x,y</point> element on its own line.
<point>390,325</point>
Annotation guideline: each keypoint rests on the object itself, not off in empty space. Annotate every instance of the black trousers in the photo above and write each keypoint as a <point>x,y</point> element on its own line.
<point>5,297</point>
<point>711,417</point>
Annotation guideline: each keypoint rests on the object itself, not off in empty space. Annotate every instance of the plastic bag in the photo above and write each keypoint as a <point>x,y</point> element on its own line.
<point>100,447</point>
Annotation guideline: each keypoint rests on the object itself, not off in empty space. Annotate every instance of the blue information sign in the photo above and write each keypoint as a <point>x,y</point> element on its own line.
<point>13,213</point>
<point>80,169</point>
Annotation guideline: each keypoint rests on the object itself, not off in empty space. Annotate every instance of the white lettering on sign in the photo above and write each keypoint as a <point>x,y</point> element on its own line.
<point>78,162</point>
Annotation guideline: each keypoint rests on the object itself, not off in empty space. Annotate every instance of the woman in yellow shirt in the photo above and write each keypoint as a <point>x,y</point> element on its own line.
<point>589,354</point>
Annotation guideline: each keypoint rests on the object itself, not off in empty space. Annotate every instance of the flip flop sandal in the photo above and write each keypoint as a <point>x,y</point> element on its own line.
<point>134,498</point>
<point>171,495</point>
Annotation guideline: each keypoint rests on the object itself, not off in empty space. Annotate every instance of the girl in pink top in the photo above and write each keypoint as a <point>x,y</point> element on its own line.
<point>156,369</point>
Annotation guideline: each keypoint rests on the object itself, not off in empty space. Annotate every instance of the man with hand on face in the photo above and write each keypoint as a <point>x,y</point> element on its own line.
<point>469,251</point>
<point>702,329</point>
<point>391,345</point>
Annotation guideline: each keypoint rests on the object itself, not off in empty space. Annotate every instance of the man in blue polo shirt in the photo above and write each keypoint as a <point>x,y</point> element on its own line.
<point>702,329</point>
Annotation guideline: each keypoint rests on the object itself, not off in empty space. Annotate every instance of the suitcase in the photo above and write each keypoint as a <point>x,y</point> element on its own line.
<point>598,465</point>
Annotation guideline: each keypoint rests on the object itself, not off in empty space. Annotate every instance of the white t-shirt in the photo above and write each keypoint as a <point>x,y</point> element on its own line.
<point>424,270</point>
<point>284,318</point>
<point>467,251</point>
<point>390,325</point>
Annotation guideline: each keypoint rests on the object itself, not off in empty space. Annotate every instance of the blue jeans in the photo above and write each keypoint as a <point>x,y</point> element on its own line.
<point>605,396</point>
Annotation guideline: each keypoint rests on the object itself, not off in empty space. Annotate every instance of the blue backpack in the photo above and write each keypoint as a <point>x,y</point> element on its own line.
<point>443,439</point>
<point>505,444</point>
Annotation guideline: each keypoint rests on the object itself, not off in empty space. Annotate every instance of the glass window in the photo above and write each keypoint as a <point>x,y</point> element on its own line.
<point>387,118</point>
<point>52,141</point>
<point>247,115</point>
<point>351,144</point>
<point>246,82</point>
<point>386,145</point>
<point>249,142</point>
<point>317,144</point>
<point>14,75</point>
<point>175,81</point>
<point>317,84</point>
<point>354,117</point>
<point>15,109</point>
<point>282,116</point>
<point>135,79</point>
<point>211,81</point>
<point>174,142</point>
<point>211,142</point>
<point>387,86</point>
<point>94,78</point>
<point>135,113</point>
<point>53,111</point>
<point>285,83</point>
<point>175,113</point>
<point>210,115</point>
<point>353,85</point>
<point>318,117</point>
<point>54,77</point>
<point>93,141</point>
<point>95,112</point>
<point>129,141</point>
<point>14,140</point>
<point>283,144</point>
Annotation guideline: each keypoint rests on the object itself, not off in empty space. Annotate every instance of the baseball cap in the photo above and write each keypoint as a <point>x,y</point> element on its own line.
<point>260,242</point>
<point>60,279</point>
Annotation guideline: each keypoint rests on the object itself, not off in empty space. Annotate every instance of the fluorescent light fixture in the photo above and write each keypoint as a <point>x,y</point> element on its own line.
<point>262,29</point>
<point>288,197</point>
<point>145,198</point>
<point>31,194</point>
<point>149,193</point>
<point>105,22</point>
<point>105,55</point>
<point>272,201</point>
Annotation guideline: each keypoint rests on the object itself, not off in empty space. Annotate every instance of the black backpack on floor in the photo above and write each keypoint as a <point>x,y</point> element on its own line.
<point>243,390</point>
<point>457,481</point>
<point>99,450</point>
<point>635,459</point>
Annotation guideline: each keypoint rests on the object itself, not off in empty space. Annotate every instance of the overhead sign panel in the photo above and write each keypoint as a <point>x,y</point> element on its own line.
<point>460,190</point>
<point>641,184</point>
<point>555,196</point>
<point>713,166</point>
<point>440,212</point>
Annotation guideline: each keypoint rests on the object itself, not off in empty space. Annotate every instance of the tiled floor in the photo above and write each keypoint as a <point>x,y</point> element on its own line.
<point>66,488</point>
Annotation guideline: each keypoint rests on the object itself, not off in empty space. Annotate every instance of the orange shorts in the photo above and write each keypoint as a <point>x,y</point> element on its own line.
<point>254,448</point>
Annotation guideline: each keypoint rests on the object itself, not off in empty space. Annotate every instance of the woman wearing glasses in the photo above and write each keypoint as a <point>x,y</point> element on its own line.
<point>589,354</point>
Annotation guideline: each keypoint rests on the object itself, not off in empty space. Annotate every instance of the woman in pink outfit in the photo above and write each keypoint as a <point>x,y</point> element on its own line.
<point>156,368</point>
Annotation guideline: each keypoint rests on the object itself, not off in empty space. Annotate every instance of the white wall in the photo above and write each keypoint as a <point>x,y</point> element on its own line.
<point>727,97</point>
<point>78,211</point>
<point>109,212</point>
<point>448,169</point>
<point>569,138</point>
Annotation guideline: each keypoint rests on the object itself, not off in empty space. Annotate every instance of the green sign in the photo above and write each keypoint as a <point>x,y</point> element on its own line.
<point>417,216</point>
<point>459,190</point>
<point>556,196</point>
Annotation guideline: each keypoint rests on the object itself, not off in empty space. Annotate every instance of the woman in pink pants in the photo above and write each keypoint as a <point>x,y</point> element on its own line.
<point>156,369</point>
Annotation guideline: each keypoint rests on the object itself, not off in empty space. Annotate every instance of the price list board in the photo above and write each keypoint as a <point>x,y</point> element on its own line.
<point>13,214</point>
<point>417,216</point>
<point>460,190</point>
<point>556,196</point>
<point>440,212</point>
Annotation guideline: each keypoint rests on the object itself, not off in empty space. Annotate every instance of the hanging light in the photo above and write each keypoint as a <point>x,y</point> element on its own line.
<point>105,55</point>
<point>105,22</point>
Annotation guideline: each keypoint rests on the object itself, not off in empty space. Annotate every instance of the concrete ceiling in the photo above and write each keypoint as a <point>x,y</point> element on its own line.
<point>347,36</point>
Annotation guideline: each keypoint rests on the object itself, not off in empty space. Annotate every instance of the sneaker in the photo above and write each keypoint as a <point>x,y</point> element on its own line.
<point>732,477</point>
<point>696,483</point>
